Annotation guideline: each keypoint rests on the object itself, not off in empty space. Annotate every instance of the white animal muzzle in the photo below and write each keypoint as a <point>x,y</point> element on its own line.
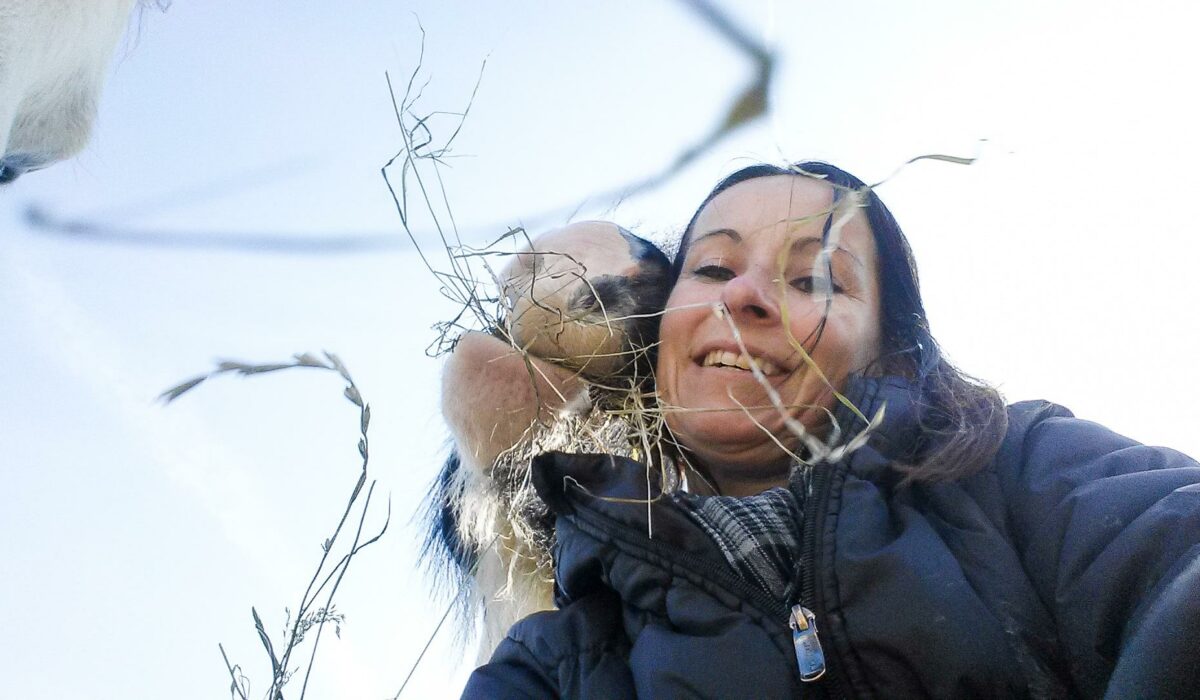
<point>54,56</point>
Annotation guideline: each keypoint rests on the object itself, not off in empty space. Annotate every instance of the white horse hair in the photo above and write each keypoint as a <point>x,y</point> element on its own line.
<point>54,57</point>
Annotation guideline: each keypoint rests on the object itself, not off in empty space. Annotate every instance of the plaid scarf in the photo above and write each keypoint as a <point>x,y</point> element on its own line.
<point>759,535</point>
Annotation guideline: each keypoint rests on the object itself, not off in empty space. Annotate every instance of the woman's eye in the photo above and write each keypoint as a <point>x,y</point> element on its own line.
<point>714,272</point>
<point>808,285</point>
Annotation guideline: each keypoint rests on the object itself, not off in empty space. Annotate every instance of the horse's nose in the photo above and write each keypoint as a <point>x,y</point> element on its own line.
<point>15,165</point>
<point>9,173</point>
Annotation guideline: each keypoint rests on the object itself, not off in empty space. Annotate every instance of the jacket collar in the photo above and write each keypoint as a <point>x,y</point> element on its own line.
<point>612,499</point>
<point>615,498</point>
<point>602,479</point>
<point>899,436</point>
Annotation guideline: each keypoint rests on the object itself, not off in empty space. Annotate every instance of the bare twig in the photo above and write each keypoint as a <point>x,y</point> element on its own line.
<point>237,681</point>
<point>306,616</point>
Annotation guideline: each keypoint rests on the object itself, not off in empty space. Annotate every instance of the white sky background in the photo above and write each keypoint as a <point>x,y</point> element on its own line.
<point>1061,266</point>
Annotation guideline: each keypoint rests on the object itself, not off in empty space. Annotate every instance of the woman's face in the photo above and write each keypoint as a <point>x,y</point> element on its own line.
<point>752,252</point>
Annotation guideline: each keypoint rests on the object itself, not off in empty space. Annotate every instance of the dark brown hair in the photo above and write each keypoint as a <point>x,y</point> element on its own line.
<point>963,419</point>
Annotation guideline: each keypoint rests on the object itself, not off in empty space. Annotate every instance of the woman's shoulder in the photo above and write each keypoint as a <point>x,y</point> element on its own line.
<point>1045,440</point>
<point>1055,466</point>
<point>1106,529</point>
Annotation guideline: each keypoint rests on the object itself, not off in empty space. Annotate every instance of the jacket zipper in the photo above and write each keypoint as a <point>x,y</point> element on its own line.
<point>810,659</point>
<point>809,656</point>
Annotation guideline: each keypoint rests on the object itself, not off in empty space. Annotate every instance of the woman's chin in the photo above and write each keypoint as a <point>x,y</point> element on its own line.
<point>732,433</point>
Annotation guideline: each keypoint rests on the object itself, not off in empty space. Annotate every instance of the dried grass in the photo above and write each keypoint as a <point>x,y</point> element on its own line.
<point>312,612</point>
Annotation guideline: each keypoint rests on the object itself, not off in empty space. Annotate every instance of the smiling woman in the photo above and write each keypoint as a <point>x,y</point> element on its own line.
<point>755,253</point>
<point>840,506</point>
<point>842,268</point>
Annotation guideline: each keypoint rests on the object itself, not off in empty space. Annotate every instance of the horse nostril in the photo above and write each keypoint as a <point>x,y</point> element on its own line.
<point>8,173</point>
<point>14,165</point>
<point>607,293</point>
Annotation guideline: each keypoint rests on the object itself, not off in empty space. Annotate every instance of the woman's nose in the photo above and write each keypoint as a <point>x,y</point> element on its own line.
<point>751,296</point>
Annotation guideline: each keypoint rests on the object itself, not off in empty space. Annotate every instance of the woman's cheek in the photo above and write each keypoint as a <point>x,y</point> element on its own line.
<point>668,355</point>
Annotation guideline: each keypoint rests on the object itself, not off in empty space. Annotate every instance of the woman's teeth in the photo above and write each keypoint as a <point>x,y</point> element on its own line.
<point>724,358</point>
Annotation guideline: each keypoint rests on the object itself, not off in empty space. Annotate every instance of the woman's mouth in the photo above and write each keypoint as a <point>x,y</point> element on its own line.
<point>725,358</point>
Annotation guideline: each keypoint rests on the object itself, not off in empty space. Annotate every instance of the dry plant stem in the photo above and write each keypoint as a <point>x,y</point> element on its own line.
<point>414,150</point>
<point>417,139</point>
<point>775,439</point>
<point>342,567</point>
<point>533,367</point>
<point>828,451</point>
<point>956,160</point>
<point>353,395</point>
<point>816,449</point>
<point>339,568</point>
<point>305,615</point>
<point>424,649</point>
<point>535,371</point>
<point>278,671</point>
<point>420,150</point>
<point>236,685</point>
<point>436,629</point>
<point>843,211</point>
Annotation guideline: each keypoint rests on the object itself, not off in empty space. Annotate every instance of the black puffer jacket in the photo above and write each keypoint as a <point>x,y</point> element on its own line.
<point>1069,567</point>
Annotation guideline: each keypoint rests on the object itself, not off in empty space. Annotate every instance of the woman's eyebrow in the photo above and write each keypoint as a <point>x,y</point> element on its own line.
<point>733,235</point>
<point>798,245</point>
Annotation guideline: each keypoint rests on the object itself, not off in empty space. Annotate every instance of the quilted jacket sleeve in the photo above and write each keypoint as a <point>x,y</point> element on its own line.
<point>1109,532</point>
<point>513,672</point>
<point>577,652</point>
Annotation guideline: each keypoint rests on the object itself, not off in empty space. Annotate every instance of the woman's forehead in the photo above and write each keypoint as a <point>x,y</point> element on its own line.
<point>794,208</point>
<point>790,195</point>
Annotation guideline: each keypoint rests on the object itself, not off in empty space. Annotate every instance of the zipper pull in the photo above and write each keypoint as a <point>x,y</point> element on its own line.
<point>809,656</point>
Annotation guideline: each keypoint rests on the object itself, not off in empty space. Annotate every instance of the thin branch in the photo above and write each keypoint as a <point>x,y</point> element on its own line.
<point>305,616</point>
<point>344,566</point>
<point>235,687</point>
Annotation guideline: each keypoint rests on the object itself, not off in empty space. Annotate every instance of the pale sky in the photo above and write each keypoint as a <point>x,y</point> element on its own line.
<point>1061,265</point>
